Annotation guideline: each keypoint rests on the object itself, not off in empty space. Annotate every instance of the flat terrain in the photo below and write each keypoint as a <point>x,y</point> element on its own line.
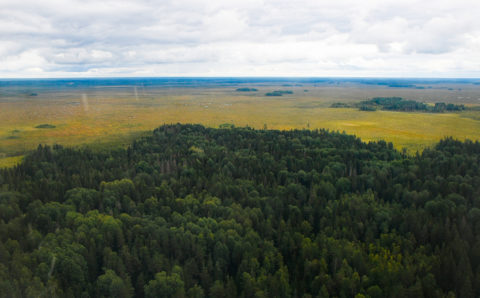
<point>111,112</point>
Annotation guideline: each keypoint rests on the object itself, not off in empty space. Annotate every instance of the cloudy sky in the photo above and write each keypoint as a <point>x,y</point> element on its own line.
<point>83,38</point>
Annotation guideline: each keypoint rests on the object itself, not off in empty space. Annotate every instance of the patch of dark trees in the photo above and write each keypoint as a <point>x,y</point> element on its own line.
<point>400,104</point>
<point>190,211</point>
<point>246,89</point>
<point>278,93</point>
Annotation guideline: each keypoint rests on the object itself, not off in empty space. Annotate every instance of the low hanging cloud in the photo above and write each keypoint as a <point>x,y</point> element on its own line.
<point>58,38</point>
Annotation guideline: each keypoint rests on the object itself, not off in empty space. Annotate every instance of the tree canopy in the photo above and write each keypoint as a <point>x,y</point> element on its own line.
<point>190,211</point>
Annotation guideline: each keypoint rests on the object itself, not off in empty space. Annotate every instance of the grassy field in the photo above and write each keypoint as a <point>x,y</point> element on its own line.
<point>110,116</point>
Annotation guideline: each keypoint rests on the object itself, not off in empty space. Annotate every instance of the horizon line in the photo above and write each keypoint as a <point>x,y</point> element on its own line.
<point>242,77</point>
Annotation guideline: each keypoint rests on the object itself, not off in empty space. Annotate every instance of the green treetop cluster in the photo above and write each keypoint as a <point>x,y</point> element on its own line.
<point>191,211</point>
<point>400,104</point>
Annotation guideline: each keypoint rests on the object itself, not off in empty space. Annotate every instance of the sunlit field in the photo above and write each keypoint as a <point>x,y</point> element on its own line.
<point>105,116</point>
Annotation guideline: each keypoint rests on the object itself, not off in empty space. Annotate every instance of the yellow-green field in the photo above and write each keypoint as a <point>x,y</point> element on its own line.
<point>104,118</point>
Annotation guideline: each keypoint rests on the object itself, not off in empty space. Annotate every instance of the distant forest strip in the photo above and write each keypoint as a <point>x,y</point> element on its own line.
<point>246,89</point>
<point>279,93</point>
<point>400,104</point>
<point>189,211</point>
<point>45,126</point>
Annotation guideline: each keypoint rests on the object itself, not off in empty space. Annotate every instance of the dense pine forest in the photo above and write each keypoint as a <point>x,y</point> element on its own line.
<point>191,211</point>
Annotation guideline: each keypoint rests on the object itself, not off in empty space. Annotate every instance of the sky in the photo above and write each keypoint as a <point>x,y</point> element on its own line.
<point>305,38</point>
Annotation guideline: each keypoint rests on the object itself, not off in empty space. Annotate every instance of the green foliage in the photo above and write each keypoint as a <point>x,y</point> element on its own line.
<point>278,93</point>
<point>111,285</point>
<point>165,285</point>
<point>226,125</point>
<point>246,89</point>
<point>367,108</point>
<point>400,104</point>
<point>340,105</point>
<point>195,212</point>
<point>45,126</point>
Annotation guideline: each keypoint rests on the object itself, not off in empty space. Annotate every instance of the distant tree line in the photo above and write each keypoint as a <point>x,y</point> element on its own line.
<point>190,211</point>
<point>246,89</point>
<point>278,93</point>
<point>400,104</point>
<point>45,126</point>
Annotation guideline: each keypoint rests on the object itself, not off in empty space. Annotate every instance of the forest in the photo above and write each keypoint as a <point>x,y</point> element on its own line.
<point>400,104</point>
<point>245,89</point>
<point>189,211</point>
<point>279,93</point>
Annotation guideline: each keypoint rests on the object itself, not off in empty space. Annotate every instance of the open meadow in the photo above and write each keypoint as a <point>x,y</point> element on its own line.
<point>105,113</point>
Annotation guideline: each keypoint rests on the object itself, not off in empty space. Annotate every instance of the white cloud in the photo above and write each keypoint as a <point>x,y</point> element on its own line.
<point>239,38</point>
